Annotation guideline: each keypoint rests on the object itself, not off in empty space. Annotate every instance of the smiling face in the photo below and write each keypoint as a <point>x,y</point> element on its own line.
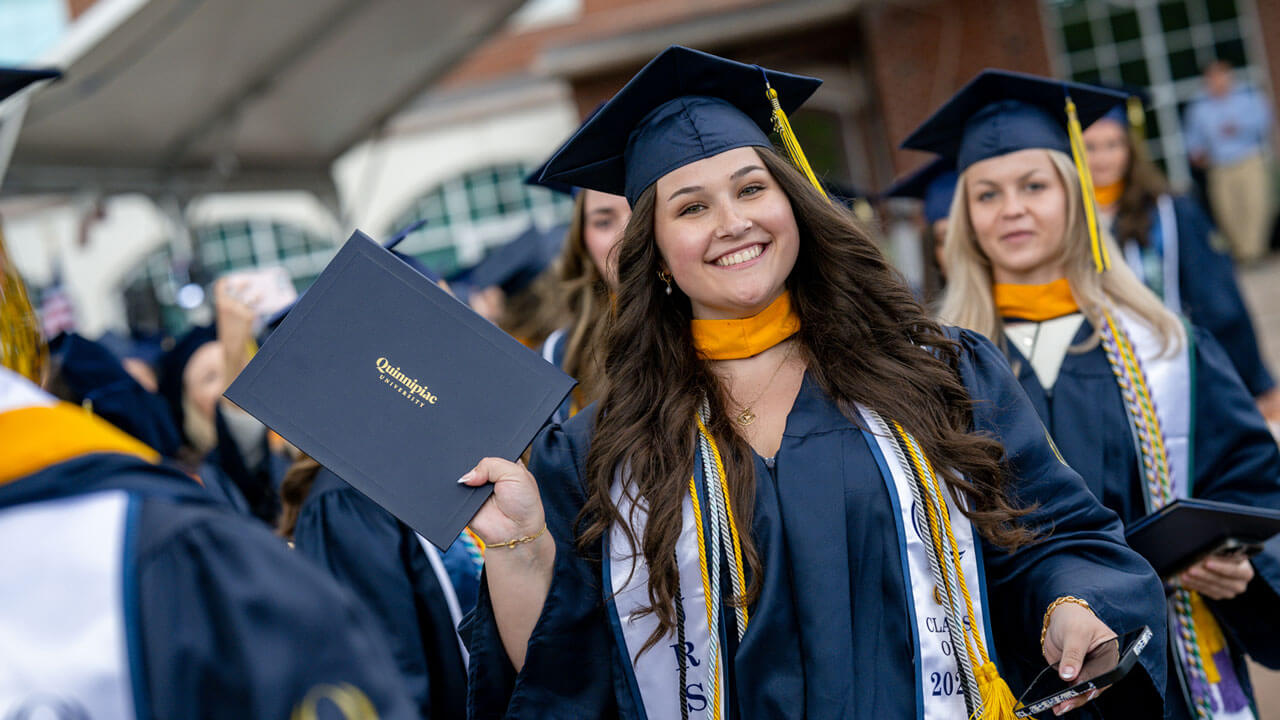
<point>604,218</point>
<point>1107,143</point>
<point>727,233</point>
<point>1018,208</point>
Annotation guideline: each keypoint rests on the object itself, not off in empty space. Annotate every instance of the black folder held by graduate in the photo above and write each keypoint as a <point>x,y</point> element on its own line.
<point>1186,530</point>
<point>398,388</point>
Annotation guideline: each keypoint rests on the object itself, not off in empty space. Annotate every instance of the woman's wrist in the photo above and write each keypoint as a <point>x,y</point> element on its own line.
<point>1064,600</point>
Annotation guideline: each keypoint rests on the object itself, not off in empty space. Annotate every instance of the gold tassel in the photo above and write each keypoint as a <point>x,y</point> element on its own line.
<point>783,127</point>
<point>22,346</point>
<point>1101,258</point>
<point>997,699</point>
<point>1137,125</point>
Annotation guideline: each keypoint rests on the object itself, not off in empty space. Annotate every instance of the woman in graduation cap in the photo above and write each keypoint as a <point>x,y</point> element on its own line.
<point>1146,410</point>
<point>588,275</point>
<point>1165,240</point>
<point>798,496</point>
<point>933,184</point>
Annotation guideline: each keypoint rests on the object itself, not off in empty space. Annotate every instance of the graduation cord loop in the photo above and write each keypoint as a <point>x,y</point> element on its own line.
<point>782,126</point>
<point>987,695</point>
<point>714,543</point>
<point>1155,469</point>
<point>1101,257</point>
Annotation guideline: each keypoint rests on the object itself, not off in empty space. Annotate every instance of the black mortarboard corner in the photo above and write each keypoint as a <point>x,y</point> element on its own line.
<point>89,374</point>
<point>14,79</point>
<point>515,266</point>
<point>1001,112</point>
<point>684,106</point>
<point>934,184</point>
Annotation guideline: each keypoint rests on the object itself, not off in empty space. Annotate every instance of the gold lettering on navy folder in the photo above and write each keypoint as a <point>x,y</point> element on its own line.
<point>453,388</point>
<point>410,388</point>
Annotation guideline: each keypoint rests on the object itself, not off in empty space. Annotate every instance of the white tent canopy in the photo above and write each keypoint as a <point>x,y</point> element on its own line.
<point>182,97</point>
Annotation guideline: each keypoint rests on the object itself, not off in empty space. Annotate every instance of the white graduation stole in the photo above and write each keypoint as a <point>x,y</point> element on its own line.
<point>450,595</point>
<point>657,671</point>
<point>942,664</point>
<point>63,643</point>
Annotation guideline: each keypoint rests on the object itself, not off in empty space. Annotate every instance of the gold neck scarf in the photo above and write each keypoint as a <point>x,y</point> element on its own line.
<point>1036,303</point>
<point>744,337</point>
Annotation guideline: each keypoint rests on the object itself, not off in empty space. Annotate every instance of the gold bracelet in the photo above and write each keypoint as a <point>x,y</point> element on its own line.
<point>1044,629</point>
<point>519,540</point>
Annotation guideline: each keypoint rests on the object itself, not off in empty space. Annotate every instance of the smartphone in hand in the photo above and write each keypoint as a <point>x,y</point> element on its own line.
<point>1103,666</point>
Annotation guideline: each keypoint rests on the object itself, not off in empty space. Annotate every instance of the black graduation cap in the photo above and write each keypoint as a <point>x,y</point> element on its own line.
<point>14,79</point>
<point>684,106</point>
<point>935,184</point>
<point>89,373</point>
<point>514,266</point>
<point>1000,112</point>
<point>535,178</point>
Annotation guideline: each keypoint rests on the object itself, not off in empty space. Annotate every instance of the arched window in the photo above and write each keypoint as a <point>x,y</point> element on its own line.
<point>152,291</point>
<point>474,211</point>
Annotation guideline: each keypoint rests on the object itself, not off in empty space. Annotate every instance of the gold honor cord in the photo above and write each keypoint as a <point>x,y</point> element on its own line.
<point>997,699</point>
<point>1101,257</point>
<point>789,141</point>
<point>22,346</point>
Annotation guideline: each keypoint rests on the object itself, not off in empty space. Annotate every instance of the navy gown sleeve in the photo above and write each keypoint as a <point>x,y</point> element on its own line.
<point>1211,297</point>
<point>568,670</point>
<point>372,555</point>
<point>1080,550</point>
<point>233,625</point>
<point>1237,461</point>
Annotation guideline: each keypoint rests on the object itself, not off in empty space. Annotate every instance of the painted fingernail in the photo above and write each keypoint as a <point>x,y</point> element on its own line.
<point>1068,672</point>
<point>466,478</point>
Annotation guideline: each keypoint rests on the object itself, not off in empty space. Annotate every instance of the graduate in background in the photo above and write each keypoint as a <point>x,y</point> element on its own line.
<point>588,274</point>
<point>1145,409</point>
<point>1165,240</point>
<point>233,454</point>
<point>128,593</point>
<point>934,185</point>
<point>748,522</point>
<point>514,286</point>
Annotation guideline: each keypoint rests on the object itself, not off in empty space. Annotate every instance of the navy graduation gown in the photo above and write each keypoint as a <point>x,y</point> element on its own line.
<point>1211,297</point>
<point>1236,460</point>
<point>253,491</point>
<point>223,621</point>
<point>831,632</point>
<point>381,561</point>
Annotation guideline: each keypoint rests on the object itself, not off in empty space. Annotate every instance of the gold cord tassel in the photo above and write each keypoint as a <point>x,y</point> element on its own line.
<point>22,346</point>
<point>1101,258</point>
<point>783,127</point>
<point>997,699</point>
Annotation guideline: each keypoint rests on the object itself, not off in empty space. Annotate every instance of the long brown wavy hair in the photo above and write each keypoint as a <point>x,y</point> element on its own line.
<point>294,489</point>
<point>1143,186</point>
<point>865,340</point>
<point>586,298</point>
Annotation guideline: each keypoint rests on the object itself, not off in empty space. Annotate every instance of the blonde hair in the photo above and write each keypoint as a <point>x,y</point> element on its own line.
<point>586,297</point>
<point>968,300</point>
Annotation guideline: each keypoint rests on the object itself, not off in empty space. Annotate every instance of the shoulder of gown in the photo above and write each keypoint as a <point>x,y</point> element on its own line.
<point>233,623</point>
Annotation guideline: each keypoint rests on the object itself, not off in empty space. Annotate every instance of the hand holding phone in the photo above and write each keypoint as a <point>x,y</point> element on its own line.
<point>1103,666</point>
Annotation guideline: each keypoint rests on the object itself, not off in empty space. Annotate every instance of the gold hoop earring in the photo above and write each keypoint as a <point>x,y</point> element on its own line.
<point>665,277</point>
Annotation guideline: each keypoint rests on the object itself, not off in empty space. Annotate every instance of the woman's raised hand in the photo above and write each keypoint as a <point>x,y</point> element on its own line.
<point>514,511</point>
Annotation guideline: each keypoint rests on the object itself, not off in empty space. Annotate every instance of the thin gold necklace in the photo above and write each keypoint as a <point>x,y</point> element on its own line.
<point>746,416</point>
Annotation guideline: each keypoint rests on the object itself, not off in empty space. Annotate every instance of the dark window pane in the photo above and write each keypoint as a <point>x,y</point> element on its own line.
<point>1077,37</point>
<point>1232,51</point>
<point>1071,10</point>
<point>1222,10</point>
<point>1124,26</point>
<point>1173,16</point>
<point>1135,73</point>
<point>1182,64</point>
<point>1153,125</point>
<point>1089,76</point>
